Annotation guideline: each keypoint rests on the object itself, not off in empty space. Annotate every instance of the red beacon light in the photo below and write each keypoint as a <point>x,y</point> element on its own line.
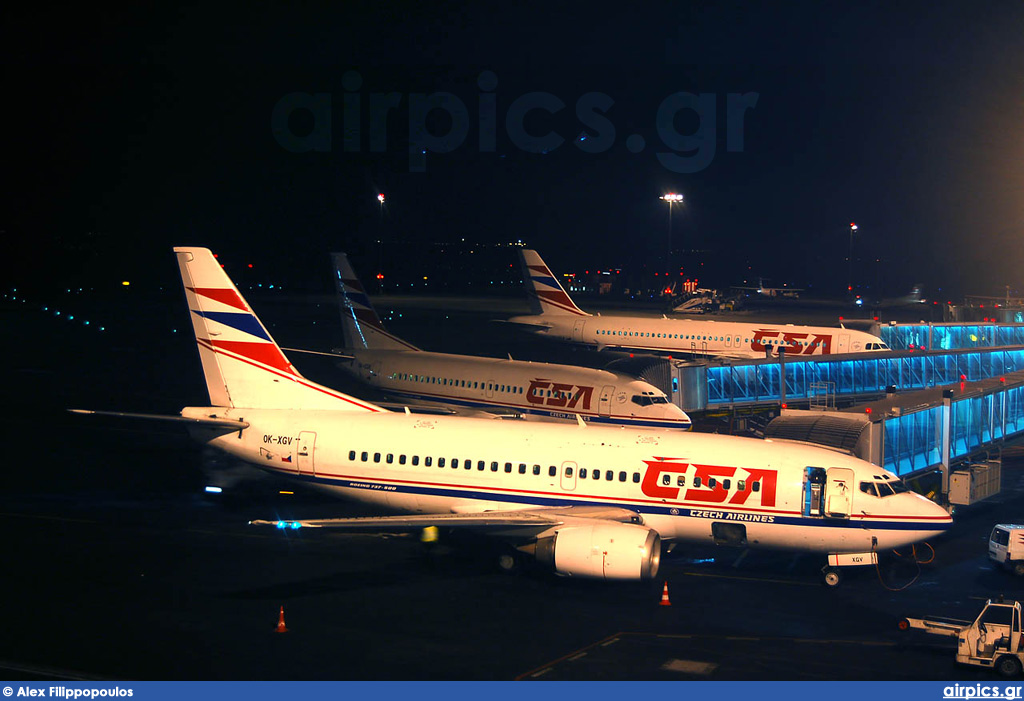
<point>867,410</point>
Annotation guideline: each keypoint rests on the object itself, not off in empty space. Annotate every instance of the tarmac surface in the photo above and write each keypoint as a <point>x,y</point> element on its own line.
<point>117,565</point>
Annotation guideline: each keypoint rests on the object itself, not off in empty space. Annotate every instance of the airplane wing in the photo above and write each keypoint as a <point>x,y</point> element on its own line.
<point>441,408</point>
<point>332,354</point>
<point>211,421</point>
<point>538,519</point>
<point>527,325</point>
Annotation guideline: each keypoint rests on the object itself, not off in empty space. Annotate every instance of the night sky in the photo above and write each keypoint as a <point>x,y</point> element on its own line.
<point>132,132</point>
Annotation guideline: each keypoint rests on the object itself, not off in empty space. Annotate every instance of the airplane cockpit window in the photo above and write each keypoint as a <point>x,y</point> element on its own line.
<point>868,488</point>
<point>649,398</point>
<point>885,486</point>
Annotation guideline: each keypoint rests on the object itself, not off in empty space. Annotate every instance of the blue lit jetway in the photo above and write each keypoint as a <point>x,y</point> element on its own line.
<point>697,387</point>
<point>949,336</point>
<point>957,433</point>
<point>911,428</point>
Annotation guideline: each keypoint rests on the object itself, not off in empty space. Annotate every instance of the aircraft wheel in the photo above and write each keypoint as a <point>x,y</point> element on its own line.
<point>1008,666</point>
<point>831,577</point>
<point>1018,569</point>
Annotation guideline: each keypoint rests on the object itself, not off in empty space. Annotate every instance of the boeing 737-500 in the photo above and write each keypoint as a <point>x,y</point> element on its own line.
<point>584,500</point>
<point>501,386</point>
<point>556,316</point>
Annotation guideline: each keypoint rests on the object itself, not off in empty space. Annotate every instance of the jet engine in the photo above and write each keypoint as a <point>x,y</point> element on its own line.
<point>602,551</point>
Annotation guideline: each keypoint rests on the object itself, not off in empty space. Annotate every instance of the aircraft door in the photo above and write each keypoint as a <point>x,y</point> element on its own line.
<point>569,470</point>
<point>839,492</point>
<point>844,343</point>
<point>490,389</point>
<point>577,329</point>
<point>304,452</point>
<point>605,405</point>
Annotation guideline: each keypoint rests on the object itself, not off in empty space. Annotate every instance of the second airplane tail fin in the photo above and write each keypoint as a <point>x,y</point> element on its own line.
<point>359,321</point>
<point>546,295</point>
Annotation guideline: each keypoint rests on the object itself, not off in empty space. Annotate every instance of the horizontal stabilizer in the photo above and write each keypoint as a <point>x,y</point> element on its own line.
<point>211,421</point>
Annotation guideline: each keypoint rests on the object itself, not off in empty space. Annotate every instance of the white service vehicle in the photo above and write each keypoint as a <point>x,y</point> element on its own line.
<point>1006,547</point>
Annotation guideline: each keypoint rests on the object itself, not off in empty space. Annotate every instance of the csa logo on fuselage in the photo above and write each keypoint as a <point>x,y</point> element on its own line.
<point>559,394</point>
<point>710,484</point>
<point>792,342</point>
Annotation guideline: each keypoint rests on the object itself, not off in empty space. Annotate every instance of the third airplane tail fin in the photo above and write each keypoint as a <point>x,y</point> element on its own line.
<point>361,325</point>
<point>546,295</point>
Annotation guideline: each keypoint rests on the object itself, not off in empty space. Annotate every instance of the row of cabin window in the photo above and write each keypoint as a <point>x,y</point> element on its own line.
<point>694,337</point>
<point>428,461</point>
<point>712,483</point>
<point>474,384</point>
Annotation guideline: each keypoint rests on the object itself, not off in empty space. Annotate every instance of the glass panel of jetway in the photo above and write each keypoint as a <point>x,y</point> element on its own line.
<point>951,336</point>
<point>760,381</point>
<point>914,441</point>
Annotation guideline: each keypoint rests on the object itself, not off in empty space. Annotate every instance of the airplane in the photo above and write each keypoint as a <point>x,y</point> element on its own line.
<point>914,297</point>
<point>556,316</point>
<point>585,501</point>
<point>534,390</point>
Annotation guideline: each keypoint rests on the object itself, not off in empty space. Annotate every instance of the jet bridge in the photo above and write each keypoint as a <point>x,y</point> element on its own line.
<point>911,411</point>
<point>954,431</point>
<point>949,336</point>
<point>833,380</point>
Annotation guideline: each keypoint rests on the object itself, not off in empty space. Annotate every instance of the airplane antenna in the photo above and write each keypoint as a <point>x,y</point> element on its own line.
<point>580,421</point>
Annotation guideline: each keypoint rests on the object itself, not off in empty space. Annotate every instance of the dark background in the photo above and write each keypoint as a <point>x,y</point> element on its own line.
<point>132,131</point>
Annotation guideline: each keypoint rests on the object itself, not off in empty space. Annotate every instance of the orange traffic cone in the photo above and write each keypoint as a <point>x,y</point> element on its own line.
<point>664,597</point>
<point>281,628</point>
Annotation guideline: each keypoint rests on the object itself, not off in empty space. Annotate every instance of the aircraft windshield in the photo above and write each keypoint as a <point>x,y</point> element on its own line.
<point>881,488</point>
<point>649,399</point>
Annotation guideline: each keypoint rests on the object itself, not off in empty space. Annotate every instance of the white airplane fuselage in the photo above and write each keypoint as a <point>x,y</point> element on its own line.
<point>535,390</point>
<point>688,487</point>
<point>692,336</point>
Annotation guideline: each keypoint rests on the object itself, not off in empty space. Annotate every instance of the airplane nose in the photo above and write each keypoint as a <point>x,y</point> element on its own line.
<point>931,510</point>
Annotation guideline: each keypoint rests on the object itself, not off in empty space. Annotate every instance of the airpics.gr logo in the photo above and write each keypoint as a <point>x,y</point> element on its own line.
<point>682,151</point>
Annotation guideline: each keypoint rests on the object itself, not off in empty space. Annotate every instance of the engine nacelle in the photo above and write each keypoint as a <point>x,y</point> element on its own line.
<point>603,551</point>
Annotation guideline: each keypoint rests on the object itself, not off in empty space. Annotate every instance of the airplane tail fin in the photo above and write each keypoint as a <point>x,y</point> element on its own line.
<point>359,321</point>
<point>546,295</point>
<point>243,365</point>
